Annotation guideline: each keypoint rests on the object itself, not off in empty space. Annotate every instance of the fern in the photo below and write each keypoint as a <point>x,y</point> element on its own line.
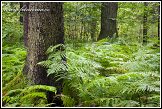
<point>56,64</point>
<point>18,82</point>
<point>110,75</point>
<point>68,101</point>
<point>39,87</point>
<point>12,62</point>
<point>26,96</point>
<point>120,82</point>
<point>53,48</point>
<point>105,102</point>
<point>34,95</point>
<point>45,64</point>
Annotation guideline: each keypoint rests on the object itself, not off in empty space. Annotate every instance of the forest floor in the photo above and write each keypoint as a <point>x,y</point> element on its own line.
<point>104,73</point>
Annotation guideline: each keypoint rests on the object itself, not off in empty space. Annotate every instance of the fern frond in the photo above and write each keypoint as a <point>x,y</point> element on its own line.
<point>34,95</point>
<point>14,92</point>
<point>53,48</point>
<point>68,101</point>
<point>39,87</point>
<point>45,64</point>
<point>104,102</point>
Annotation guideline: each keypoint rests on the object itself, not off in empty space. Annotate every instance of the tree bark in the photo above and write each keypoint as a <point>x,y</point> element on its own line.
<point>145,26</point>
<point>156,17</point>
<point>25,22</point>
<point>108,20</point>
<point>93,30</point>
<point>42,30</point>
<point>21,13</point>
<point>158,9</point>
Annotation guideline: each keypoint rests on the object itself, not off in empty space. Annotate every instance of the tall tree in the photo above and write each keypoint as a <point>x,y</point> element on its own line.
<point>42,28</point>
<point>21,13</point>
<point>145,25</point>
<point>158,9</point>
<point>108,20</point>
<point>93,22</point>
<point>155,11</point>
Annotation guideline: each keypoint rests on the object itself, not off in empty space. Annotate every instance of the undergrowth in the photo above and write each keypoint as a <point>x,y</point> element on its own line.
<point>107,73</point>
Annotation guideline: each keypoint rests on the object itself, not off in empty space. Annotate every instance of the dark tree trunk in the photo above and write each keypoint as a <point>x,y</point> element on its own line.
<point>93,25</point>
<point>158,9</point>
<point>93,30</point>
<point>42,30</point>
<point>25,22</point>
<point>108,20</point>
<point>145,26</point>
<point>21,12</point>
<point>156,17</point>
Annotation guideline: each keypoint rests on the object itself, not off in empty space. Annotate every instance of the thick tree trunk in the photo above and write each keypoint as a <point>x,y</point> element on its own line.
<point>145,26</point>
<point>25,23</point>
<point>42,30</point>
<point>108,20</point>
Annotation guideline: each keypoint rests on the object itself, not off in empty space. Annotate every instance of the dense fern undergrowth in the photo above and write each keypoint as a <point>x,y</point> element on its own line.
<point>107,73</point>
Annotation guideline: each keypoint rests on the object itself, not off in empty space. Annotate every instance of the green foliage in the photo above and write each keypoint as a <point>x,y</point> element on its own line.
<point>109,73</point>
<point>131,27</point>
<point>104,74</point>
<point>68,101</point>
<point>55,63</point>
<point>82,21</point>
<point>29,96</point>
<point>145,59</point>
<point>17,82</point>
<point>11,29</point>
<point>13,61</point>
<point>13,53</point>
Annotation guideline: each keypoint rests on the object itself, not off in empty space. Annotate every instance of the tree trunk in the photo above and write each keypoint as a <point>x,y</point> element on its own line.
<point>93,30</point>
<point>108,20</point>
<point>158,9</point>
<point>21,13</point>
<point>145,26</point>
<point>25,23</point>
<point>156,17</point>
<point>42,30</point>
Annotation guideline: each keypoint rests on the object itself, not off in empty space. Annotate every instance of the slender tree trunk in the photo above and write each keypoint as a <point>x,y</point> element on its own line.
<point>145,26</point>
<point>42,30</point>
<point>81,31</point>
<point>108,20</point>
<point>156,17</point>
<point>93,30</point>
<point>158,9</point>
<point>21,13</point>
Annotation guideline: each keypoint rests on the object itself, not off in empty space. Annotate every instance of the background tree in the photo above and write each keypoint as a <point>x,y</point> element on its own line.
<point>21,13</point>
<point>145,24</point>
<point>82,21</point>
<point>42,30</point>
<point>154,12</point>
<point>108,20</point>
<point>158,14</point>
